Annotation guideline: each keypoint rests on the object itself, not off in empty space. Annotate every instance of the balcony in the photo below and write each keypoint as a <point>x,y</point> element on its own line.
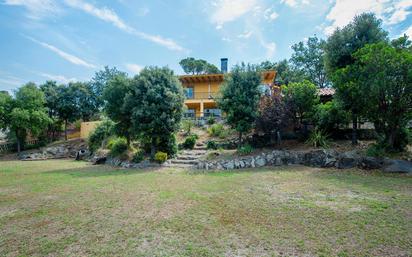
<point>190,95</point>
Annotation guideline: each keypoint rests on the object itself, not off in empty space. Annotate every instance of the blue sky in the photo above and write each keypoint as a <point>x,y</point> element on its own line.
<point>69,40</point>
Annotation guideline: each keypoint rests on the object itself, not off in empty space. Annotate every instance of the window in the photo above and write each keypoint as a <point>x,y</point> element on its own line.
<point>190,113</point>
<point>189,93</point>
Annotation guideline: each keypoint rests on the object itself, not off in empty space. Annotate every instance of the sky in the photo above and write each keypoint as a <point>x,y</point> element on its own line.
<point>69,40</point>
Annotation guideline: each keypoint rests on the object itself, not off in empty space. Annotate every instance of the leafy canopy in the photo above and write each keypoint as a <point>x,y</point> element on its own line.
<point>193,66</point>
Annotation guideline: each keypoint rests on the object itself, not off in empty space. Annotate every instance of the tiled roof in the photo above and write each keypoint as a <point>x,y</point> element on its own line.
<point>326,91</point>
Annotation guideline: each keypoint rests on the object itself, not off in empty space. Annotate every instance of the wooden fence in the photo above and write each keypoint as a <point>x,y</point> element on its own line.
<point>10,147</point>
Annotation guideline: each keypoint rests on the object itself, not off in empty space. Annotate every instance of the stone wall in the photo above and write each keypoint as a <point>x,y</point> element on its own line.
<point>318,158</point>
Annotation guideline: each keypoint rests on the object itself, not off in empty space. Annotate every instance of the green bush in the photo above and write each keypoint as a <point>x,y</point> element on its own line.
<point>376,150</point>
<point>138,156</point>
<point>330,116</point>
<point>245,149</point>
<point>216,130</point>
<point>102,132</point>
<point>211,145</point>
<point>118,147</point>
<point>211,120</point>
<point>190,142</point>
<point>187,126</point>
<point>160,157</point>
<point>318,139</point>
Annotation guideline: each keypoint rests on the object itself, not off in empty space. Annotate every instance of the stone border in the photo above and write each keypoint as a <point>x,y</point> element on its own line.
<point>317,158</point>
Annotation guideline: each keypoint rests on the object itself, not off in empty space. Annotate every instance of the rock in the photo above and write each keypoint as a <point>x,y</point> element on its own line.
<point>82,154</point>
<point>229,165</point>
<point>398,166</point>
<point>320,158</point>
<point>370,163</point>
<point>260,162</point>
<point>348,160</point>
<point>96,160</point>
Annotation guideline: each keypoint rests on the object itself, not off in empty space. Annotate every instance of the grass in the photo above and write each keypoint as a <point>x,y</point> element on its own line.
<point>67,208</point>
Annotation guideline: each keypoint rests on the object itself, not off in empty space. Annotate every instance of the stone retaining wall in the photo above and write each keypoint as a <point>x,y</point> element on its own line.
<point>318,158</point>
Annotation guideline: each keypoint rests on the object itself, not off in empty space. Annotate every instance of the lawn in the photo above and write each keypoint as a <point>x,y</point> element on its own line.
<point>67,208</point>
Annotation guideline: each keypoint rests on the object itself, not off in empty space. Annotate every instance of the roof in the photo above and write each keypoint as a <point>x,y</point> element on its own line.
<point>185,79</point>
<point>326,91</point>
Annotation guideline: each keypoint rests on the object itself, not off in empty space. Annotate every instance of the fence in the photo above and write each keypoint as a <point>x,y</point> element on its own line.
<point>10,147</point>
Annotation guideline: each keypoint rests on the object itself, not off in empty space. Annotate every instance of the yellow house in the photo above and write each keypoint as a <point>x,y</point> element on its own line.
<point>201,92</point>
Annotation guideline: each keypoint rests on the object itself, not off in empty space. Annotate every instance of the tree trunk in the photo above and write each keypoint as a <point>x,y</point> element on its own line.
<point>65,130</point>
<point>153,148</point>
<point>18,146</point>
<point>354,129</point>
<point>128,140</point>
<point>240,139</point>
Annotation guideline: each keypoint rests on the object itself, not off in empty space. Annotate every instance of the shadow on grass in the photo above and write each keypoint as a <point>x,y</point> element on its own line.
<point>100,171</point>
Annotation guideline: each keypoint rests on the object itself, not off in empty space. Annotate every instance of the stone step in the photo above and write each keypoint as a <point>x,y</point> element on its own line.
<point>200,148</point>
<point>188,157</point>
<point>193,152</point>
<point>177,161</point>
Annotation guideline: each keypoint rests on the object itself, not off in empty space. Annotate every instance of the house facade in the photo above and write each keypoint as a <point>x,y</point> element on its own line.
<point>202,90</point>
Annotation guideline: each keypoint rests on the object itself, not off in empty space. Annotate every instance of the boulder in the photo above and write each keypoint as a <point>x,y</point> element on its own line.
<point>370,163</point>
<point>398,166</point>
<point>320,158</point>
<point>260,162</point>
<point>348,160</point>
<point>82,154</point>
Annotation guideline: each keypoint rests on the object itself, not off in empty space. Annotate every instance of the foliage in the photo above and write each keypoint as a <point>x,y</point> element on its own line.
<point>190,142</point>
<point>192,66</point>
<point>245,149</point>
<point>285,72</point>
<point>376,150</point>
<point>98,137</point>
<point>114,95</point>
<point>187,126</point>
<point>273,114</point>
<point>383,75</point>
<point>118,147</point>
<point>339,49</point>
<point>330,116</point>
<point>216,130</point>
<point>160,157</point>
<point>138,156</point>
<point>240,98</point>
<point>156,102</point>
<point>308,58</point>
<point>211,145</point>
<point>211,120</point>
<point>25,114</point>
<point>318,138</point>
<point>301,99</point>
<point>100,81</point>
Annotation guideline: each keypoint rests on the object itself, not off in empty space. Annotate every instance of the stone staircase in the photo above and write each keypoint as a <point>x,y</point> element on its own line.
<point>188,158</point>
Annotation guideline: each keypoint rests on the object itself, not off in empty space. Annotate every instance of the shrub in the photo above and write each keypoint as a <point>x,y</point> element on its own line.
<point>216,130</point>
<point>138,156</point>
<point>376,150</point>
<point>318,139</point>
<point>211,145</point>
<point>160,157</point>
<point>330,116</point>
<point>118,147</point>
<point>245,149</point>
<point>187,126</point>
<point>211,120</point>
<point>103,131</point>
<point>190,142</point>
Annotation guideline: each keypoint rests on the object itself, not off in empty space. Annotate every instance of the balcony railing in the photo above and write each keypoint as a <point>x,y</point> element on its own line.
<point>201,95</point>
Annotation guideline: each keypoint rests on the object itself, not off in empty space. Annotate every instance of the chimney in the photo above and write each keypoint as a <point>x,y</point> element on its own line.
<point>223,65</point>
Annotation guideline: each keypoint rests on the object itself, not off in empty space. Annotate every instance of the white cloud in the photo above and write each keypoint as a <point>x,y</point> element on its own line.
<point>36,8</point>
<point>270,14</point>
<point>134,68</point>
<point>229,10</point>
<point>246,34</point>
<point>110,16</point>
<point>68,57</point>
<point>270,48</point>
<point>58,78</point>
<point>294,3</point>
<point>392,12</point>
<point>408,32</point>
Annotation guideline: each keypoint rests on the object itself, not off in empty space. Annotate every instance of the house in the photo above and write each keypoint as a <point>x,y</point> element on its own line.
<point>201,91</point>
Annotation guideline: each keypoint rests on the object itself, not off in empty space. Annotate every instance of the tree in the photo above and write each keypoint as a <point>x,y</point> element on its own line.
<point>6,106</point>
<point>193,66</point>
<point>273,114</point>
<point>308,58</point>
<point>301,98</point>
<point>50,90</point>
<point>156,102</point>
<point>341,45</point>
<point>114,95</point>
<point>240,98</point>
<point>87,101</point>
<point>100,80</point>
<point>28,114</point>
<point>383,74</point>
<point>330,116</point>
<point>402,43</point>
<point>67,108</point>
